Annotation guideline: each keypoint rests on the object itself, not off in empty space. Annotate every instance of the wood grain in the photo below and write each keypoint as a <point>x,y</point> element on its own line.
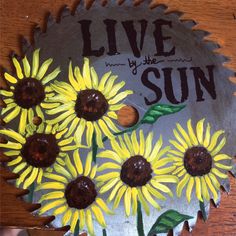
<point>20,17</point>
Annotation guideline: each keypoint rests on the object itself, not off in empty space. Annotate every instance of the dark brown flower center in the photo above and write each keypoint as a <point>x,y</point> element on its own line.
<point>91,105</point>
<point>80,193</point>
<point>136,171</point>
<point>40,150</point>
<point>197,161</point>
<point>29,92</point>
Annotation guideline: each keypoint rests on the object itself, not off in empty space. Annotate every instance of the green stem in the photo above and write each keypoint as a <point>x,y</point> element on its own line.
<point>203,210</point>
<point>94,147</point>
<point>31,193</point>
<point>104,232</point>
<point>140,221</point>
<point>76,232</point>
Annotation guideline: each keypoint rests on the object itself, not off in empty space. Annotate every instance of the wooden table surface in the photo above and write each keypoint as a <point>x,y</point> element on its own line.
<point>218,17</point>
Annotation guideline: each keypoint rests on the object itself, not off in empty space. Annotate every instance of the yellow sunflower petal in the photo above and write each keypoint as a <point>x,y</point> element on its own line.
<point>51,195</point>
<point>10,78</point>
<point>114,191</point>
<point>110,124</point>
<point>98,136</point>
<point>134,195</point>
<point>15,161</point>
<point>135,142</point>
<point>178,146</point>
<point>31,178</point>
<point>23,121</point>
<point>120,97</point>
<point>98,215</point>
<point>7,94</point>
<point>158,162</point>
<point>212,188</point>
<point>189,189</point>
<point>108,176</point>
<point>115,89</point>
<point>12,134</point>
<point>148,145</point>
<point>141,143</point>
<point>124,147</point>
<point>221,157</point>
<point>51,76</point>
<point>39,112</point>
<point>24,174</point>
<point>12,153</point>
<point>26,67</point>
<point>86,74</point>
<point>161,187</point>
<point>66,141</point>
<point>214,181</point>
<point>18,68</point>
<point>89,133</point>
<point>182,184</point>
<point>219,147</point>
<point>79,131</point>
<point>149,198</point>
<point>105,129</point>
<point>61,170</point>
<point>206,141</point>
<point>35,63</point>
<point>155,193</point>
<point>156,149</point>
<point>74,221</point>
<point>164,170</point>
<point>59,210</point>
<point>51,205</point>
<point>127,201</point>
<point>43,69</point>
<point>109,85</point>
<point>192,135</point>
<point>103,206</point>
<point>199,129</point>
<point>89,222</point>
<point>224,167</point>
<point>11,145</point>
<point>214,140</point>
<point>56,177</point>
<point>205,192</point>
<point>128,143</point>
<point>180,140</point>
<point>77,161</point>
<point>219,174</point>
<point>94,78</point>
<point>116,107</point>
<point>93,172</point>
<point>72,127</point>
<point>81,219</point>
<point>50,185</point>
<point>103,81</point>
<point>88,164</point>
<point>66,217</point>
<point>40,176</point>
<point>30,115</point>
<point>112,115</point>
<point>116,147</point>
<point>19,167</point>
<point>143,202</point>
<point>166,178</point>
<point>184,134</point>
<point>108,165</point>
<point>119,196</point>
<point>198,188</point>
<point>70,167</point>
<point>12,115</point>
<point>72,80</point>
<point>79,78</point>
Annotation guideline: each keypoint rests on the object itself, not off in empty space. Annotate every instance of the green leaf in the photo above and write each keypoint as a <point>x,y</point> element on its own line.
<point>203,210</point>
<point>94,147</point>
<point>31,192</point>
<point>76,232</point>
<point>158,110</point>
<point>140,221</point>
<point>167,221</point>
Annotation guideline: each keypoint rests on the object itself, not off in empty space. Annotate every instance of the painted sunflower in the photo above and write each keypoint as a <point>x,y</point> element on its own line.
<point>138,171</point>
<point>28,90</point>
<point>87,103</point>
<point>74,193</point>
<point>198,159</point>
<point>35,152</point>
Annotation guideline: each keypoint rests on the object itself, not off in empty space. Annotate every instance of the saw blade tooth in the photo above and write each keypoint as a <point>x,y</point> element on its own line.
<point>37,32</point>
<point>25,44</point>
<point>50,21</point>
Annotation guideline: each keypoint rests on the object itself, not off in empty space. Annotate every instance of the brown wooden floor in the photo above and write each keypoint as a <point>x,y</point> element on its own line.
<point>19,17</point>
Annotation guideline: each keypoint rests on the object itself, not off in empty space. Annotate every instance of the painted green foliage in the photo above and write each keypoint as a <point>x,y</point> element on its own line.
<point>167,221</point>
